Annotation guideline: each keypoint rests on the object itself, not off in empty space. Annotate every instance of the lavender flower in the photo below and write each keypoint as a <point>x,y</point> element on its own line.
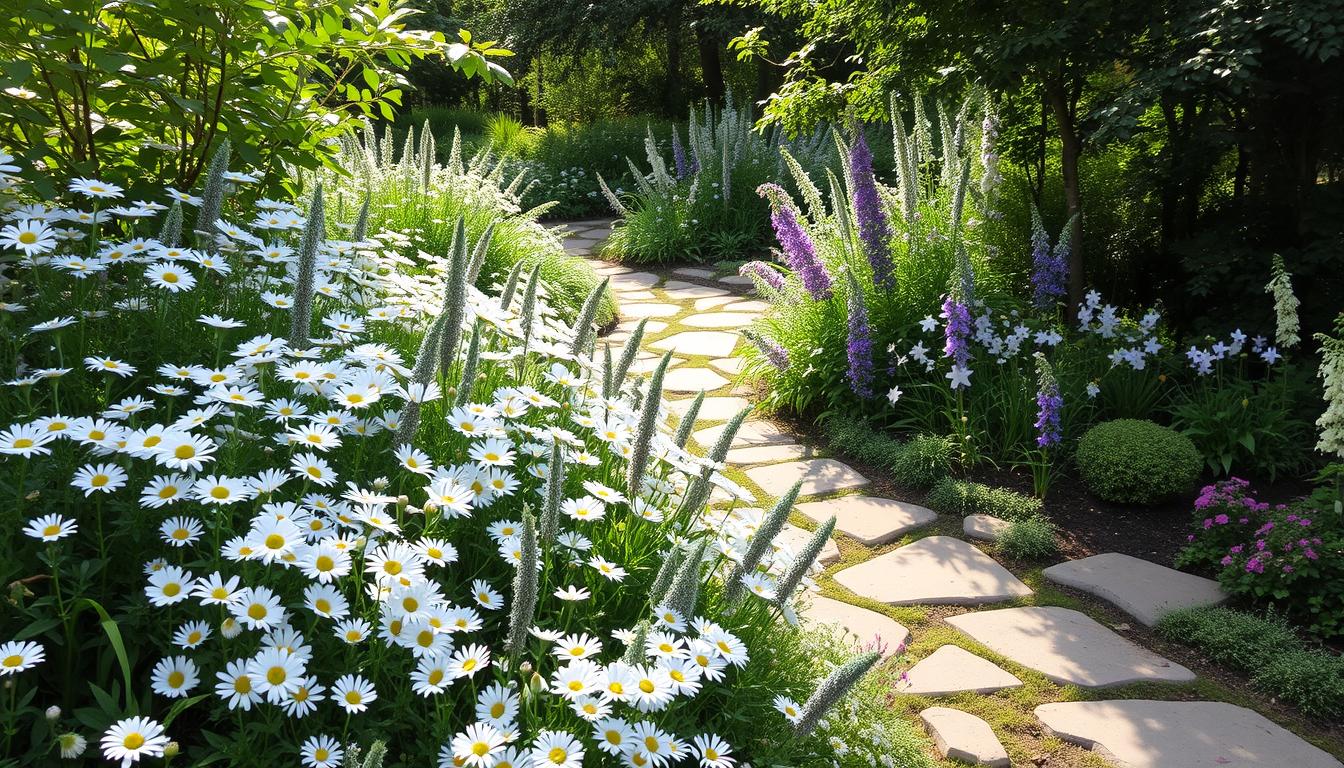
<point>860,345</point>
<point>764,273</point>
<point>679,156</point>
<point>773,351</point>
<point>1048,404</point>
<point>799,252</point>
<point>1049,270</point>
<point>874,230</point>
<point>957,330</point>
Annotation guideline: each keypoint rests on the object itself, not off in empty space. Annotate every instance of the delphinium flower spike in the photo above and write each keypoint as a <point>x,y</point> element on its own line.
<point>802,563</point>
<point>525,587</point>
<point>648,424</point>
<point>583,325</point>
<point>797,246</point>
<point>832,690</point>
<point>1280,286</point>
<point>859,346</point>
<point>361,229</point>
<point>687,424</point>
<point>761,542</point>
<point>774,352</point>
<point>874,230</point>
<point>301,315</point>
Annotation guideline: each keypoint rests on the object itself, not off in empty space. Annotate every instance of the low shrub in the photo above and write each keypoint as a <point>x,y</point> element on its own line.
<point>1131,461</point>
<point>917,463</point>
<point>964,497</point>
<point>1311,680</point>
<point>1031,538</point>
<point>1236,639</point>
<point>1265,647</point>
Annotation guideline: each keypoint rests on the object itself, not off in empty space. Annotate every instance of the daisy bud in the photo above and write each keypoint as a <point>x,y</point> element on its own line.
<point>535,683</point>
<point>402,501</point>
<point>53,713</point>
<point>171,750</point>
<point>380,483</point>
<point>525,668</point>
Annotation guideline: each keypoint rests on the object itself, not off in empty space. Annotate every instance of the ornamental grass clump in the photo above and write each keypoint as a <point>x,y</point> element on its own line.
<point>244,552</point>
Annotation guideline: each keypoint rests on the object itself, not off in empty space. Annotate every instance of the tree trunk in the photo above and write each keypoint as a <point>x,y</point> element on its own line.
<point>673,105</point>
<point>1071,148</point>
<point>711,68</point>
<point>768,78</point>
<point>1170,191</point>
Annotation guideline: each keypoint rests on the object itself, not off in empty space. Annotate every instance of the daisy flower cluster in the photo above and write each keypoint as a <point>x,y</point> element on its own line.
<point>364,488</point>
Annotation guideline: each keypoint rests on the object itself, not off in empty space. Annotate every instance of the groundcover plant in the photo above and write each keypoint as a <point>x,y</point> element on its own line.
<point>271,495</point>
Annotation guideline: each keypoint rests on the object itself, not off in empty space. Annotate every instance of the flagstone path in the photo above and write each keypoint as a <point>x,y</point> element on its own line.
<point>888,552</point>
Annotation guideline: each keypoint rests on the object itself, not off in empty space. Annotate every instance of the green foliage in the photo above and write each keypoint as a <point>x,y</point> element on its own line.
<point>508,137</point>
<point>1236,424</point>
<point>1267,649</point>
<point>964,497</point>
<point>1311,680</point>
<point>1131,461</point>
<point>136,91</point>
<point>1031,538</point>
<point>917,463</point>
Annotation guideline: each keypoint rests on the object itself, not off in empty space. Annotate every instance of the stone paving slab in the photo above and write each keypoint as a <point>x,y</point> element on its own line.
<point>962,736</point>
<point>700,272</point>
<point>818,476</point>
<point>868,628</point>
<point>720,320</point>
<point>952,669</point>
<point>610,269</point>
<point>1137,733</point>
<point>681,290</point>
<point>648,365</point>
<point>729,365</point>
<point>796,538</point>
<point>871,520</point>
<point>762,454</point>
<point>750,433</point>
<point>634,280</point>
<point>1068,647</point>
<point>1147,591</point>
<point>636,295</point>
<point>935,569</point>
<point>735,280</point>
<point>983,527</point>
<point>651,309</point>
<point>712,301</point>
<point>712,409</point>
<point>692,380</point>
<point>711,343</point>
<point>625,328</point>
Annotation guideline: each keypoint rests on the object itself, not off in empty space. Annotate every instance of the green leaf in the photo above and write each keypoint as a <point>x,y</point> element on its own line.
<point>118,647</point>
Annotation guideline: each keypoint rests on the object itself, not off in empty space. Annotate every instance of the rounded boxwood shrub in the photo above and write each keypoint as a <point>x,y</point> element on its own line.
<point>1132,461</point>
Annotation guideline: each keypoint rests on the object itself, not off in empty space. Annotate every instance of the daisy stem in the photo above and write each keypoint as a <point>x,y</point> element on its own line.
<point>23,480</point>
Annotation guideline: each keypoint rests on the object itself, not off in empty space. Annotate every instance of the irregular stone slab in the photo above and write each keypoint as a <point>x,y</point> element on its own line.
<point>1180,734</point>
<point>648,364</point>
<point>735,280</point>
<point>636,295</point>
<point>962,736</point>
<point>867,628</point>
<point>818,476</point>
<point>872,521</point>
<point>729,365</point>
<point>578,247</point>
<point>713,301</point>
<point>711,343</point>
<point>700,272</point>
<point>602,268</point>
<point>1147,591</point>
<point>983,527</point>
<point>796,538</point>
<point>634,280</point>
<point>692,380</point>
<point>681,291</point>
<point>750,305</point>
<point>625,329</point>
<point>712,409</point>
<point>1068,647</point>
<point>936,569</point>
<point>750,433</point>
<point>720,320</point>
<point>951,669</point>
<point>649,310</point>
<point>761,454</point>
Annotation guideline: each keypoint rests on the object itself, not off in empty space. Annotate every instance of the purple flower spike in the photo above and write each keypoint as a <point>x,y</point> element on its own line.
<point>874,230</point>
<point>795,243</point>
<point>957,330</point>
<point>860,347</point>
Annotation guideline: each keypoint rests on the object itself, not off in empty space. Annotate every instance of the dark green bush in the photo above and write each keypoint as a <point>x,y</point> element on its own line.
<point>1242,641</point>
<point>1131,461</point>
<point>1311,680</point>
<point>1031,538</point>
<point>917,463</point>
<point>964,497</point>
